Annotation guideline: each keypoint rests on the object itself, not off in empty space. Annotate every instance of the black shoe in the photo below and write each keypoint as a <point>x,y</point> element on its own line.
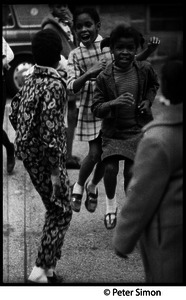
<point>110,223</point>
<point>76,202</point>
<point>54,279</point>
<point>91,200</point>
<point>10,160</point>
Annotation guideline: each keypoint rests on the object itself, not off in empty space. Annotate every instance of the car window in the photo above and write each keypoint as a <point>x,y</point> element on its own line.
<point>30,14</point>
<point>8,20</point>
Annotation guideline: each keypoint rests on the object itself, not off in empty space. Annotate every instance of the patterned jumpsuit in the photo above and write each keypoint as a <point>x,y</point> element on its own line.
<point>37,115</point>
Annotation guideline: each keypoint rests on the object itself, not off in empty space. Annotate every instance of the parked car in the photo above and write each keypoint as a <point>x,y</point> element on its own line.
<point>20,23</point>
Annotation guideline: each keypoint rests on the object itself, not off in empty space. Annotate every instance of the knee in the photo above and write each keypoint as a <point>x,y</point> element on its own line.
<point>111,170</point>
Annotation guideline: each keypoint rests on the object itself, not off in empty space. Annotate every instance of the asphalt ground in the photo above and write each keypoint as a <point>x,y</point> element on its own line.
<point>88,257</point>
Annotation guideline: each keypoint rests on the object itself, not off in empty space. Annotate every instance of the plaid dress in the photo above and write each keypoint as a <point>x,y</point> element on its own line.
<point>80,60</point>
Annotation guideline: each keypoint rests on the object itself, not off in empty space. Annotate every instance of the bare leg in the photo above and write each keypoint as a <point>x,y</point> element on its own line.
<point>110,176</point>
<point>72,162</point>
<point>127,172</point>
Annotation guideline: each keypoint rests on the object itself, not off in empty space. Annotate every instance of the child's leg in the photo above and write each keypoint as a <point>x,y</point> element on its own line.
<point>86,169</point>
<point>110,182</point>
<point>10,151</point>
<point>110,175</point>
<point>57,217</point>
<point>127,172</point>
<point>99,168</point>
<point>87,165</point>
<point>90,161</point>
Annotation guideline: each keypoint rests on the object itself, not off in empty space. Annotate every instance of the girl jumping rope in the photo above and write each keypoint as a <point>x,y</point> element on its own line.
<point>123,96</point>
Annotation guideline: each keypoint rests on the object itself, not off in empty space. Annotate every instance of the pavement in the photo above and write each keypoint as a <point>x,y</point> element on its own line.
<point>88,256</point>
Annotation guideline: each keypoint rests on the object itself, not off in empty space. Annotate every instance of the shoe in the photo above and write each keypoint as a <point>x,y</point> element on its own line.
<point>91,200</point>
<point>11,160</point>
<point>54,279</point>
<point>73,163</point>
<point>76,201</point>
<point>110,223</point>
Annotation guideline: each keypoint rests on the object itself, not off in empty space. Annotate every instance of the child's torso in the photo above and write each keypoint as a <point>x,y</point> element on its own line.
<point>126,82</point>
<point>87,57</point>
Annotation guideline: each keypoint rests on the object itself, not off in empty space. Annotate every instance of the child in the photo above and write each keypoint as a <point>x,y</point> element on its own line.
<point>84,64</point>
<point>153,210</point>
<point>60,20</point>
<point>38,117</point>
<point>7,57</point>
<point>124,93</point>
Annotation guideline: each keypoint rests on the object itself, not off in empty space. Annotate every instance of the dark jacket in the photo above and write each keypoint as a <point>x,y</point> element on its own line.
<point>153,210</point>
<point>105,91</point>
<point>68,45</point>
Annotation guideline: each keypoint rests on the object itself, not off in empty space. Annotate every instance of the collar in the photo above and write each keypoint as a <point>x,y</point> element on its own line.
<point>169,115</point>
<point>98,39</point>
<point>108,70</point>
<point>44,69</point>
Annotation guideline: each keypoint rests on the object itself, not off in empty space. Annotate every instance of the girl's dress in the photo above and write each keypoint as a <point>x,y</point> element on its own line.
<point>121,127</point>
<point>80,60</point>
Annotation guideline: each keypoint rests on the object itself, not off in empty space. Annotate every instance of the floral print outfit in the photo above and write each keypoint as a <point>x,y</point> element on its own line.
<point>37,115</point>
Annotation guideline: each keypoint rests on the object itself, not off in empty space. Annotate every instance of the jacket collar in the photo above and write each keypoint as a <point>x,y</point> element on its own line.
<point>45,70</point>
<point>108,70</point>
<point>169,115</point>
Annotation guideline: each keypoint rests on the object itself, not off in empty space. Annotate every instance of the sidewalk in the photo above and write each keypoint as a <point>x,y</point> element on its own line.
<point>87,255</point>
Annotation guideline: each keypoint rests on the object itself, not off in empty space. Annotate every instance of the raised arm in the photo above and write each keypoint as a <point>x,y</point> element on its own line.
<point>151,47</point>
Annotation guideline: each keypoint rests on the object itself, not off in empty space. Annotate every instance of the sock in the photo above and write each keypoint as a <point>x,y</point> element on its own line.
<point>38,274</point>
<point>77,189</point>
<point>92,188</point>
<point>111,205</point>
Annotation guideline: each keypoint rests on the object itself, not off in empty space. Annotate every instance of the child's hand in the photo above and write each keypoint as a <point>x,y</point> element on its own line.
<point>95,70</point>
<point>103,63</point>
<point>144,106</point>
<point>125,99</point>
<point>153,43</point>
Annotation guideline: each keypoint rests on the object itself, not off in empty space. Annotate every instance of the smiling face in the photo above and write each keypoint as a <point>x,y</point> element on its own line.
<point>124,51</point>
<point>86,29</point>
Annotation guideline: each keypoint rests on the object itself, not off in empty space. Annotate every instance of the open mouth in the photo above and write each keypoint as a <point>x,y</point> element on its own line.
<point>85,37</point>
<point>124,58</point>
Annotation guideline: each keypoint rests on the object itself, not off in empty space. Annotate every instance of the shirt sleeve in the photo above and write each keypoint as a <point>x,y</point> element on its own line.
<point>14,107</point>
<point>101,107</point>
<point>74,71</point>
<point>7,51</point>
<point>153,85</point>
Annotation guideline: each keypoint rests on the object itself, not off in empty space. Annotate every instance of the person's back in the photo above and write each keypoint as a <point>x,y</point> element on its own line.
<point>37,115</point>
<point>34,108</point>
<point>153,210</point>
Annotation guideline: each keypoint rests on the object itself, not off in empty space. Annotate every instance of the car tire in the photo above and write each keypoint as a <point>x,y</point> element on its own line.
<point>15,75</point>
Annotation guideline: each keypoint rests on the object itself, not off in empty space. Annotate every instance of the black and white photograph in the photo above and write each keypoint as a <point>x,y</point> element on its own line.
<point>92,146</point>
